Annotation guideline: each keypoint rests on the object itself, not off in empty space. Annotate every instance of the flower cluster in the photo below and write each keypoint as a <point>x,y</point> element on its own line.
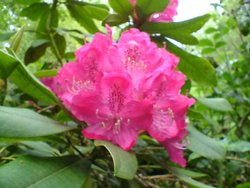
<point>166,15</point>
<point>121,89</point>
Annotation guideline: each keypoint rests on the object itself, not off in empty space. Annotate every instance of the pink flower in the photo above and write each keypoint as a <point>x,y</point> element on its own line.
<point>165,16</point>
<point>121,89</point>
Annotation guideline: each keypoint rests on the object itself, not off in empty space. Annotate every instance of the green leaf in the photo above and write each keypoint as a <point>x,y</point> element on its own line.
<point>196,68</point>
<point>36,50</point>
<point>115,19</point>
<point>210,30</point>
<point>35,11</point>
<point>26,2</point>
<point>7,64</point>
<point>19,124</point>
<point>82,17</point>
<point>17,39</point>
<point>239,146</point>
<point>95,11</point>
<point>125,163</point>
<point>60,43</point>
<point>193,182</point>
<point>219,104</point>
<point>25,80</point>
<point>123,7</point>
<point>243,185</point>
<point>145,8</point>
<point>38,148</point>
<point>49,20</point>
<point>208,50</point>
<point>220,44</point>
<point>36,172</point>
<point>206,42</point>
<point>6,36</point>
<point>205,146</point>
<point>180,31</point>
<point>46,73</point>
<point>181,171</point>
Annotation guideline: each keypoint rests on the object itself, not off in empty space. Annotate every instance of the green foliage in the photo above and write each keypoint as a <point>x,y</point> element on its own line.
<point>70,171</point>
<point>125,164</point>
<point>40,146</point>
<point>21,124</point>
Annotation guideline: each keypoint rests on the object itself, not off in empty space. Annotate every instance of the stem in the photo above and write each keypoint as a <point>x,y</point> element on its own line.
<point>51,34</point>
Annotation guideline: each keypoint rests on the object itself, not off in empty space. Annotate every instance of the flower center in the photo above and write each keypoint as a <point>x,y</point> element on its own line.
<point>116,99</point>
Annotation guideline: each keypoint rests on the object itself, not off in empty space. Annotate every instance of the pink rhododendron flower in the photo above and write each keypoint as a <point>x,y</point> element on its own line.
<point>164,16</point>
<point>121,89</point>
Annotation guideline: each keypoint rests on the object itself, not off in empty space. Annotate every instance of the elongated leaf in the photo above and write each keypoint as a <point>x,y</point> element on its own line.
<point>219,104</point>
<point>123,7</point>
<point>181,171</point>
<point>239,146</point>
<point>115,19</point>
<point>125,163</point>
<point>38,148</point>
<point>46,73</point>
<point>19,124</point>
<point>48,21</point>
<point>36,50</point>
<point>205,146</point>
<point>35,11</point>
<point>82,17</point>
<point>193,182</point>
<point>196,68</point>
<point>25,80</point>
<point>145,8</point>
<point>35,172</point>
<point>17,39</point>
<point>180,31</point>
<point>7,64</point>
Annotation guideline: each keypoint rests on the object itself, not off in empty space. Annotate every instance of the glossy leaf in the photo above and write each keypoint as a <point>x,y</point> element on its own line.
<point>193,182</point>
<point>15,43</point>
<point>36,50</point>
<point>181,171</point>
<point>82,17</point>
<point>123,7</point>
<point>239,146</point>
<point>7,64</point>
<point>60,43</point>
<point>24,79</point>
<point>19,123</point>
<point>115,19</point>
<point>46,73</point>
<point>37,172</point>
<point>38,148</point>
<point>180,31</point>
<point>196,68</point>
<point>48,21</point>
<point>145,8</point>
<point>219,104</point>
<point>35,11</point>
<point>125,163</point>
<point>204,145</point>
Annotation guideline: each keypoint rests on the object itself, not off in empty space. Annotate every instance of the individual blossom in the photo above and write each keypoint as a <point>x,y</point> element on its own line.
<point>121,89</point>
